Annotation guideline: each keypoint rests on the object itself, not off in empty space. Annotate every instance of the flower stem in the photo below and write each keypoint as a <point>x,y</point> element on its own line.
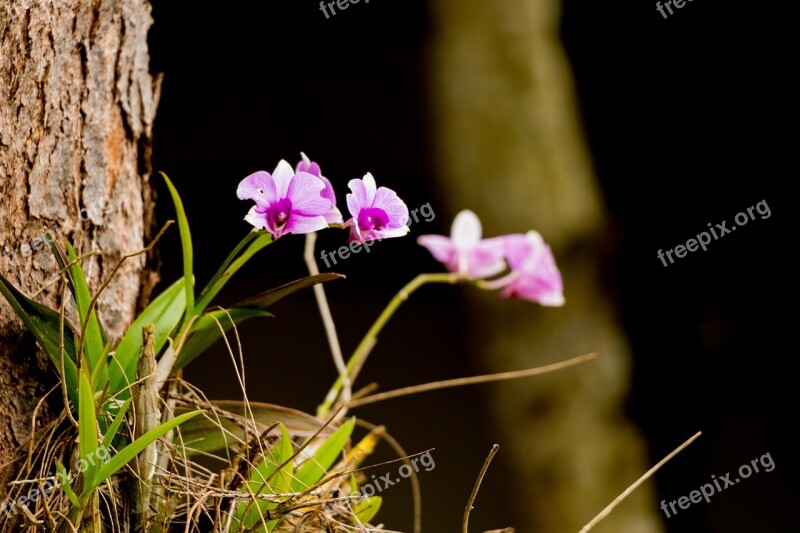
<point>363,348</point>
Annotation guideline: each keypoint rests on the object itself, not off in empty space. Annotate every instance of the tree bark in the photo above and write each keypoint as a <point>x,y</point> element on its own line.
<point>507,118</point>
<point>77,104</point>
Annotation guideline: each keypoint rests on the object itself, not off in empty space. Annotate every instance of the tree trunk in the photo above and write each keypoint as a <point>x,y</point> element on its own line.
<point>507,117</point>
<point>77,104</point>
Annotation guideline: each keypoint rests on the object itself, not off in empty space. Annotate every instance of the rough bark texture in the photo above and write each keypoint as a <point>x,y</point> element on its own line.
<point>506,113</point>
<point>77,104</point>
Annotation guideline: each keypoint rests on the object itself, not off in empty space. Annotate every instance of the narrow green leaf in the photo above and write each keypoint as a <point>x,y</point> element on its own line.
<point>270,297</point>
<point>254,245</point>
<point>264,480</point>
<point>165,312</point>
<point>130,451</point>
<point>225,264</point>
<point>206,331</point>
<point>367,509</point>
<point>67,486</point>
<point>87,427</point>
<point>111,432</point>
<point>100,370</point>
<point>186,246</point>
<point>94,342</point>
<point>311,471</point>
<point>43,323</point>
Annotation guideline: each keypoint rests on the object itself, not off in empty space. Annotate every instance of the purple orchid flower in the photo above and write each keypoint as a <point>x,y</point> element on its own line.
<point>377,214</point>
<point>334,216</point>
<point>464,252</point>
<point>286,202</point>
<point>534,274</point>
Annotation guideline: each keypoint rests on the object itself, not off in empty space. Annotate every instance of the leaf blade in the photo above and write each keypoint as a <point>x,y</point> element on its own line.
<point>124,456</point>
<point>311,471</point>
<point>206,331</point>
<point>165,312</point>
<point>87,426</point>
<point>186,249</point>
<point>270,297</point>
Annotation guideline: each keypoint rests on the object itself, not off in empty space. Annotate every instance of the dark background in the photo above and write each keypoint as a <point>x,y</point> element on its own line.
<point>687,120</point>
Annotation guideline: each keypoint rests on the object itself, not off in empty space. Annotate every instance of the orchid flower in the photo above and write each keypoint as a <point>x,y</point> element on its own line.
<point>534,274</point>
<point>286,201</point>
<point>377,213</point>
<point>334,216</point>
<point>464,252</point>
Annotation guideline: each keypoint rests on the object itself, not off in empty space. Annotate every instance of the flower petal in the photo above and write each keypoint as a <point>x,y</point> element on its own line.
<point>282,175</point>
<point>363,194</point>
<point>388,233</point>
<point>466,230</point>
<point>486,258</point>
<point>256,217</point>
<point>307,165</point>
<point>521,249</point>
<point>259,187</point>
<point>299,223</point>
<point>393,206</point>
<point>334,216</point>
<point>440,247</point>
<point>305,192</point>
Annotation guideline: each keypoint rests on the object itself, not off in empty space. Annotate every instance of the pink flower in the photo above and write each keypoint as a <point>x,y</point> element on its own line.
<point>464,252</point>
<point>377,214</point>
<point>334,216</point>
<point>286,202</point>
<point>534,274</point>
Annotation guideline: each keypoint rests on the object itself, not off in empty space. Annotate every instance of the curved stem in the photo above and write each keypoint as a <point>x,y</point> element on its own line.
<point>356,360</point>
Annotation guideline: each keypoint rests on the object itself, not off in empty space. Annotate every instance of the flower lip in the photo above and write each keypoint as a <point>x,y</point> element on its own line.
<point>278,213</point>
<point>372,218</point>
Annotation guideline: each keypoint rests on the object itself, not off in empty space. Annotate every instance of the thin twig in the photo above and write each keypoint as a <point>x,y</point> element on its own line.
<point>638,482</point>
<point>368,342</point>
<point>458,382</point>
<point>468,509</point>
<point>327,319</point>
<point>110,278</point>
<point>415,490</point>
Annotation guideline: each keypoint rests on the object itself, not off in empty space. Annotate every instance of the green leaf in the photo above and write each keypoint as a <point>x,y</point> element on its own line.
<point>215,279</point>
<point>111,432</point>
<point>311,471</point>
<point>186,246</point>
<point>255,242</point>
<point>133,449</point>
<point>224,426</point>
<point>43,323</point>
<point>165,312</point>
<point>206,331</point>
<point>265,480</point>
<point>366,509</point>
<point>67,486</point>
<point>100,370</point>
<point>87,427</point>
<point>94,341</point>
<point>270,297</point>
